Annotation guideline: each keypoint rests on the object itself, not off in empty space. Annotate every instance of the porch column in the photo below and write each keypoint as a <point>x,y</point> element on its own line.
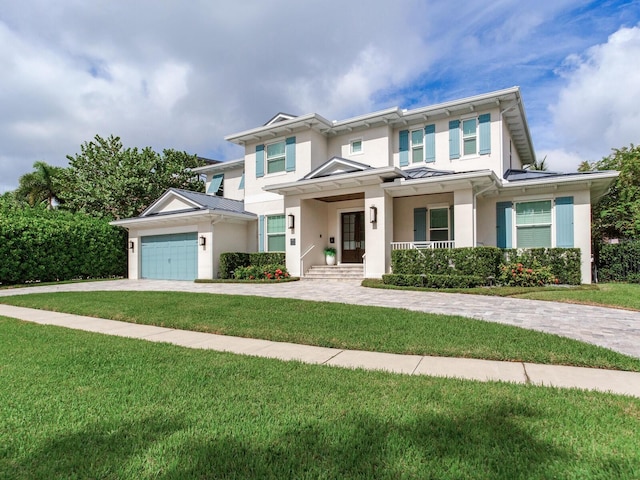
<point>378,234</point>
<point>292,236</point>
<point>464,221</point>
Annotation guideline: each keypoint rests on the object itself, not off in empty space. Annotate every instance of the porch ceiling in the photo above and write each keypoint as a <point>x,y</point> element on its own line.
<point>342,198</point>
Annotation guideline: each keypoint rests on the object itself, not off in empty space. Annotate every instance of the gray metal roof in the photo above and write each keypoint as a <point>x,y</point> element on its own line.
<point>513,175</point>
<point>426,172</point>
<point>206,202</point>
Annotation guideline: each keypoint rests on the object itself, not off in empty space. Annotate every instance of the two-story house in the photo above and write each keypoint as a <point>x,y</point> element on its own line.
<point>448,175</point>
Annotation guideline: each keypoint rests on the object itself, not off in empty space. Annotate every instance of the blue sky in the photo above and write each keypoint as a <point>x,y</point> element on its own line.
<point>183,75</point>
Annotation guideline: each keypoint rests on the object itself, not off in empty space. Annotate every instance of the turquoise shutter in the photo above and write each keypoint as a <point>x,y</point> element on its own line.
<point>504,224</point>
<point>261,233</point>
<point>454,139</point>
<point>419,224</point>
<point>404,148</point>
<point>259,160</point>
<point>452,224</point>
<point>290,154</point>
<point>564,222</point>
<point>485,133</point>
<point>430,143</point>
<point>214,186</point>
<point>241,187</point>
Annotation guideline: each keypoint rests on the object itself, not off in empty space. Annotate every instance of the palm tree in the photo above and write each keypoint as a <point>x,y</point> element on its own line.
<point>40,185</point>
<point>535,165</point>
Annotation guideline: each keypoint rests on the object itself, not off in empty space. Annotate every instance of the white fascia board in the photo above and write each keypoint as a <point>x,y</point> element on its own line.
<point>162,197</point>
<point>257,133</point>
<point>220,167</point>
<point>182,217</point>
<point>301,184</point>
<point>605,176</point>
<point>454,177</point>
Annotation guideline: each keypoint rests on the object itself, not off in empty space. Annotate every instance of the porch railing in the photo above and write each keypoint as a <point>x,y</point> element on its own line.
<point>422,245</point>
<point>302,259</point>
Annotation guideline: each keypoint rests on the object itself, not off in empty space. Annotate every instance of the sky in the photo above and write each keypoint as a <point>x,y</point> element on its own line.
<point>183,74</point>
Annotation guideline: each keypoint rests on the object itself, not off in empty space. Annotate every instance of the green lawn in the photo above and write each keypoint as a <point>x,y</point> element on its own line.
<point>81,405</point>
<point>331,325</point>
<point>617,295</point>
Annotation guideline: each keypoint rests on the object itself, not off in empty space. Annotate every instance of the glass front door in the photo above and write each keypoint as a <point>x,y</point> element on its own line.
<point>352,237</point>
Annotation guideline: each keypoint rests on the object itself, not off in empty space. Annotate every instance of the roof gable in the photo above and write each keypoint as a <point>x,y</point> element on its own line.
<point>279,117</point>
<point>336,166</point>
<point>176,200</point>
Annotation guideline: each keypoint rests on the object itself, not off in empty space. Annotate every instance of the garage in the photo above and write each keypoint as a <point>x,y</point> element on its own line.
<point>169,257</point>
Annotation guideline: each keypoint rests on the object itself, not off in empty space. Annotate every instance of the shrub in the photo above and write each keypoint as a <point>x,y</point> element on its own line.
<point>619,262</point>
<point>39,245</point>
<point>230,261</point>
<point>563,262</point>
<point>479,261</point>
<point>532,275</point>
<point>403,280</point>
<point>266,272</point>
<point>454,281</point>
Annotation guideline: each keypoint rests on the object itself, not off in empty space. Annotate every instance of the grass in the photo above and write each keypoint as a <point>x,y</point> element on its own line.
<point>616,295</point>
<point>331,325</point>
<point>81,405</point>
<point>61,282</point>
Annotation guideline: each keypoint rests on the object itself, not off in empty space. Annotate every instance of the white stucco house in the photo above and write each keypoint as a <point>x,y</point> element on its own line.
<point>447,175</point>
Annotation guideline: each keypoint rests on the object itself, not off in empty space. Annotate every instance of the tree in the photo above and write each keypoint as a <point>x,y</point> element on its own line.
<point>585,166</point>
<point>535,165</point>
<point>41,185</point>
<point>107,180</point>
<point>617,214</point>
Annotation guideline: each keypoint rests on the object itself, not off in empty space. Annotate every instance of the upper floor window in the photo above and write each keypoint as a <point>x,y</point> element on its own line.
<point>417,146</point>
<point>216,186</point>
<point>356,146</point>
<point>276,157</point>
<point>469,137</point>
<point>279,156</point>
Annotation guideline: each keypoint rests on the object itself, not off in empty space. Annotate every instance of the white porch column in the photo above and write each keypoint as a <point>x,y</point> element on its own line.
<point>378,234</point>
<point>464,220</point>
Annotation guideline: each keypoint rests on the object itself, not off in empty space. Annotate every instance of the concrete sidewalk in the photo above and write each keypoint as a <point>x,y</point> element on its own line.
<point>618,382</point>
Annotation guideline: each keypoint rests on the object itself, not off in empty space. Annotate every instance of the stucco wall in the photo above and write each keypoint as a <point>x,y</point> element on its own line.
<point>376,148</point>
<point>403,212</point>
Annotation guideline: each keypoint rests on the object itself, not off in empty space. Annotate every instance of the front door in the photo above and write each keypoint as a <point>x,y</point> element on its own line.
<point>352,237</point>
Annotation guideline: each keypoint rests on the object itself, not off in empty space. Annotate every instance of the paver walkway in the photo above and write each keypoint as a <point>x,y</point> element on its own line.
<point>615,329</point>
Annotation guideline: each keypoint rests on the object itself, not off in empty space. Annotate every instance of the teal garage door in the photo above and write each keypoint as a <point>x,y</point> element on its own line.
<point>170,257</point>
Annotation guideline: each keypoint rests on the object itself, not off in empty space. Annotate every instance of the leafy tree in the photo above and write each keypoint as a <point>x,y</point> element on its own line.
<point>107,180</point>
<point>585,166</point>
<point>41,185</point>
<point>617,214</point>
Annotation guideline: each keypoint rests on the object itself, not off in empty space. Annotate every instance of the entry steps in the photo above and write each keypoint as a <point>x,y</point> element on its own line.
<point>345,271</point>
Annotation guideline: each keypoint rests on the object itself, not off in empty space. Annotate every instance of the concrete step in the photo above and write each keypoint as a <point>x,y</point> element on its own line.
<point>335,272</point>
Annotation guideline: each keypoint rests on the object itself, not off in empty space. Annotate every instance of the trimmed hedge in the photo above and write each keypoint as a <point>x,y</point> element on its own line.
<point>619,262</point>
<point>433,281</point>
<point>229,261</point>
<point>46,246</point>
<point>261,272</point>
<point>483,263</point>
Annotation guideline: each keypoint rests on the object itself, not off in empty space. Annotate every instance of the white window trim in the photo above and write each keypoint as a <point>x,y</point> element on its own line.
<point>351,142</point>
<point>533,198</point>
<point>477,136</point>
<point>266,157</point>
<point>411,130</point>
<point>439,206</point>
<point>267,234</point>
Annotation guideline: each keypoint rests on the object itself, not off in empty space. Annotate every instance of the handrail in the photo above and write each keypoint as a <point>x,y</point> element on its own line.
<point>302,261</point>
<point>364,264</point>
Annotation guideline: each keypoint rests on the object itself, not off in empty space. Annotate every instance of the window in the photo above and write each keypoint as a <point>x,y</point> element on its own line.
<point>533,224</point>
<point>417,146</point>
<point>216,187</point>
<point>356,146</point>
<point>276,233</point>
<point>276,157</point>
<point>469,137</point>
<point>439,224</point>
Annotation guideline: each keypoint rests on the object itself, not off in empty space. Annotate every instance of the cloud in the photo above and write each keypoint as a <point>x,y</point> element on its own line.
<point>599,107</point>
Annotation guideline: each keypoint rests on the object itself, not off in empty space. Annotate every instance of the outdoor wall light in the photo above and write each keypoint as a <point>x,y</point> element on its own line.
<point>292,221</point>
<point>131,245</point>
<point>203,241</point>
<point>373,214</point>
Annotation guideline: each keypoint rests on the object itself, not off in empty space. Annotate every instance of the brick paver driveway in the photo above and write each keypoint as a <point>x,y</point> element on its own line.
<point>616,329</point>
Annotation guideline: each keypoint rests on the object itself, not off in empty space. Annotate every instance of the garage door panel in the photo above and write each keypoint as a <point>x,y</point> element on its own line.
<point>170,257</point>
